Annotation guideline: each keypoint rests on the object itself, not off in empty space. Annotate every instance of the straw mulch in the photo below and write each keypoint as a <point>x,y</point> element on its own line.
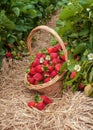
<point>69,111</point>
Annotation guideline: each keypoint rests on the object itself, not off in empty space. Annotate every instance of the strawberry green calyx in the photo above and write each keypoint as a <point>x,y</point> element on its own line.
<point>27,70</point>
<point>37,98</point>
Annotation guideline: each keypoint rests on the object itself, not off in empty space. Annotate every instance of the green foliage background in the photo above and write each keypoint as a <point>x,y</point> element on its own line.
<point>18,17</point>
<point>75,24</point>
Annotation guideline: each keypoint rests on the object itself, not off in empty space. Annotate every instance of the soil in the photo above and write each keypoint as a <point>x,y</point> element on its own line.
<point>14,95</point>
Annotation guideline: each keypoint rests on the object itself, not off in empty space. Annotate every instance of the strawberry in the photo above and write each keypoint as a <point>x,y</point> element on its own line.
<point>36,82</point>
<point>32,70</point>
<point>46,99</point>
<point>38,77</point>
<point>50,68</point>
<point>39,68</point>
<point>58,46</point>
<point>46,80</point>
<point>40,105</point>
<point>35,62</point>
<point>54,55</point>
<point>8,55</point>
<point>52,50</point>
<point>31,104</point>
<point>63,57</point>
<point>45,62</point>
<point>39,55</point>
<point>80,86</point>
<point>59,60</point>
<point>53,73</point>
<point>43,55</point>
<point>73,74</point>
<point>54,61</point>
<point>31,80</point>
<point>58,67</point>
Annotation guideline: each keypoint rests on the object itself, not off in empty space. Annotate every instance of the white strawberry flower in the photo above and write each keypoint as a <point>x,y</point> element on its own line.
<point>88,9</point>
<point>48,57</point>
<point>90,56</point>
<point>69,3</point>
<point>41,60</point>
<point>77,68</point>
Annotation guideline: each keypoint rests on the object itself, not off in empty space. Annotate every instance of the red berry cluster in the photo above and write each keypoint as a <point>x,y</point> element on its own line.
<point>40,102</point>
<point>46,65</point>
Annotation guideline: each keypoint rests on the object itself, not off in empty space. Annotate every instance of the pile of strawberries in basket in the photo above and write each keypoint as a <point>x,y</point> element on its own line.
<point>45,65</point>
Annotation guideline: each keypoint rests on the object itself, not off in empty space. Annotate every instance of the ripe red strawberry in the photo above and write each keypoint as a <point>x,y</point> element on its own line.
<point>59,60</point>
<point>47,80</point>
<point>51,49</point>
<point>31,80</point>
<point>58,46</point>
<point>54,61</point>
<point>45,62</point>
<point>38,77</point>
<point>63,57</point>
<point>73,74</point>
<point>36,82</point>
<point>39,55</point>
<point>32,70</point>
<point>58,67</point>
<point>31,104</point>
<point>39,68</point>
<point>40,105</point>
<point>8,55</point>
<point>46,99</point>
<point>50,68</point>
<point>35,62</point>
<point>43,55</point>
<point>53,73</point>
<point>54,55</point>
<point>81,86</point>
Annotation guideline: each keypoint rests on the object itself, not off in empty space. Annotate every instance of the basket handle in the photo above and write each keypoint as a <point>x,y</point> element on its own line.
<point>48,29</point>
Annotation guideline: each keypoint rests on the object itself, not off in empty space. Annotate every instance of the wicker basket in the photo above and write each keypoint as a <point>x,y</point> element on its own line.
<point>55,85</point>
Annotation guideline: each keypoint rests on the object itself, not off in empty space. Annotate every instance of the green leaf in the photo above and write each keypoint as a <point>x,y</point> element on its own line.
<point>16,10</point>
<point>5,21</point>
<point>79,49</point>
<point>33,13</point>
<point>64,67</point>
<point>66,26</point>
<point>2,51</point>
<point>37,98</point>
<point>70,10</point>
<point>75,87</point>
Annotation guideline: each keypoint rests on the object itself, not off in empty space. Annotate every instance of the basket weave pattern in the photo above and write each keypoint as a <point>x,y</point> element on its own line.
<point>55,85</point>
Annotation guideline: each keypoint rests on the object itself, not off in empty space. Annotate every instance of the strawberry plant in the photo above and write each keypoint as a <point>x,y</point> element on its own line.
<point>17,18</point>
<point>75,25</point>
